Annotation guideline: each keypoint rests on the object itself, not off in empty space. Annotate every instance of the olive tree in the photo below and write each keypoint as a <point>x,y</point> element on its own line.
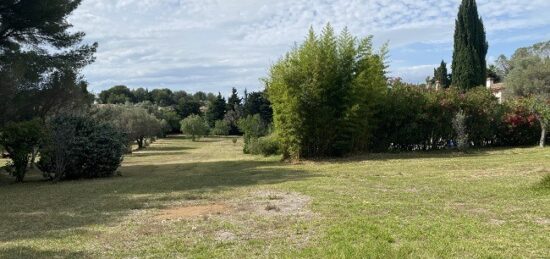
<point>135,122</point>
<point>529,78</point>
<point>221,128</point>
<point>195,126</point>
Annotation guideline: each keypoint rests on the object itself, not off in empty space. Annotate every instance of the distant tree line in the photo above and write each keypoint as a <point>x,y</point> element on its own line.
<point>174,106</point>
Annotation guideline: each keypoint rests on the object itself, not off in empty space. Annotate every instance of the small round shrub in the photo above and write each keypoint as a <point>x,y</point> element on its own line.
<point>19,139</point>
<point>79,147</point>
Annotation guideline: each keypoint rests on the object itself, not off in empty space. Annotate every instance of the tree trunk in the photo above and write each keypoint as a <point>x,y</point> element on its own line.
<point>140,143</point>
<point>543,136</point>
<point>33,156</point>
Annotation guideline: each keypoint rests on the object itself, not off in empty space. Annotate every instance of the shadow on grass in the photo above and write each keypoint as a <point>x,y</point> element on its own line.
<point>406,156</point>
<point>159,148</point>
<point>37,210</point>
<point>209,139</point>
<point>28,252</point>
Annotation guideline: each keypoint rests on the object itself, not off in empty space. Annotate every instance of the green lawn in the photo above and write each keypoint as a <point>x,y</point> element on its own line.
<point>208,200</point>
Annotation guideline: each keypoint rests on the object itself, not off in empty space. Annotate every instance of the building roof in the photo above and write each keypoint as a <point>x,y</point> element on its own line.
<point>498,87</point>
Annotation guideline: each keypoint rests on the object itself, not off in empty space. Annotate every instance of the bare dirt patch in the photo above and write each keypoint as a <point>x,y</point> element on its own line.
<point>542,221</point>
<point>192,211</point>
<point>259,203</point>
<point>225,236</point>
<point>267,215</point>
<point>274,203</point>
<point>497,222</point>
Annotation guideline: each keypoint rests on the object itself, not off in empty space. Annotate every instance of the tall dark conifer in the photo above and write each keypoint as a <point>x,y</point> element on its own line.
<point>470,48</point>
<point>216,109</point>
<point>441,75</point>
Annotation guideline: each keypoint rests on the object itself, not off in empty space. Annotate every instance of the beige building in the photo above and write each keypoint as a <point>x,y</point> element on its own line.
<point>497,89</point>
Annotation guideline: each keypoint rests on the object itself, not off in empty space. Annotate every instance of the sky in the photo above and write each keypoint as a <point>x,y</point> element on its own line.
<point>214,45</point>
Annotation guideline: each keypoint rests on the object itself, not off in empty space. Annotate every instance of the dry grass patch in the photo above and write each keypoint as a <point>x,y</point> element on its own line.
<point>275,203</point>
<point>192,211</point>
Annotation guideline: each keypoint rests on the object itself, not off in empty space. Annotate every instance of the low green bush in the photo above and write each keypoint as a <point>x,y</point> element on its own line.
<point>252,128</point>
<point>19,139</point>
<point>79,147</point>
<point>266,146</point>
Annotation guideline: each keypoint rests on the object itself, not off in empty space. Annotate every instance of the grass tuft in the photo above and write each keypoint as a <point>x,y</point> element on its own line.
<point>545,182</point>
<point>272,207</point>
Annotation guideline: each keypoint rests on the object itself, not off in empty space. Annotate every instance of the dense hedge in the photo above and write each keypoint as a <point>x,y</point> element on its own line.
<point>414,118</point>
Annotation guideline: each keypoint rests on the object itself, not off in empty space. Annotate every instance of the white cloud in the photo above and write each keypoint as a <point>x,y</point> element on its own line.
<point>216,44</point>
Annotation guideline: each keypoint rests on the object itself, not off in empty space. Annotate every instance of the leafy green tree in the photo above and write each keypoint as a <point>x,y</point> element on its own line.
<point>19,140</point>
<point>441,75</point>
<point>119,94</point>
<point>258,103</point>
<point>470,48</point>
<point>234,111</point>
<point>323,94</point>
<point>135,122</point>
<point>177,95</point>
<point>171,118</point>
<point>195,126</point>
<point>232,117</point>
<point>253,127</point>
<point>234,100</point>
<point>34,22</point>
<point>187,106</point>
<point>200,96</point>
<point>210,97</point>
<point>216,109</point>
<point>540,107</point>
<point>502,66</point>
<point>141,95</point>
<point>162,97</point>
<point>494,73</point>
<point>529,77</point>
<point>221,128</point>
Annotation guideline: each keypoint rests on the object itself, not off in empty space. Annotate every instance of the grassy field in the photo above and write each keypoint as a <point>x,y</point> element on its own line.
<point>207,200</point>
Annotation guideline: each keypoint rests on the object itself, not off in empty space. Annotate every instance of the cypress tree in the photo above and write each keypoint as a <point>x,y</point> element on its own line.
<point>441,75</point>
<point>470,48</point>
